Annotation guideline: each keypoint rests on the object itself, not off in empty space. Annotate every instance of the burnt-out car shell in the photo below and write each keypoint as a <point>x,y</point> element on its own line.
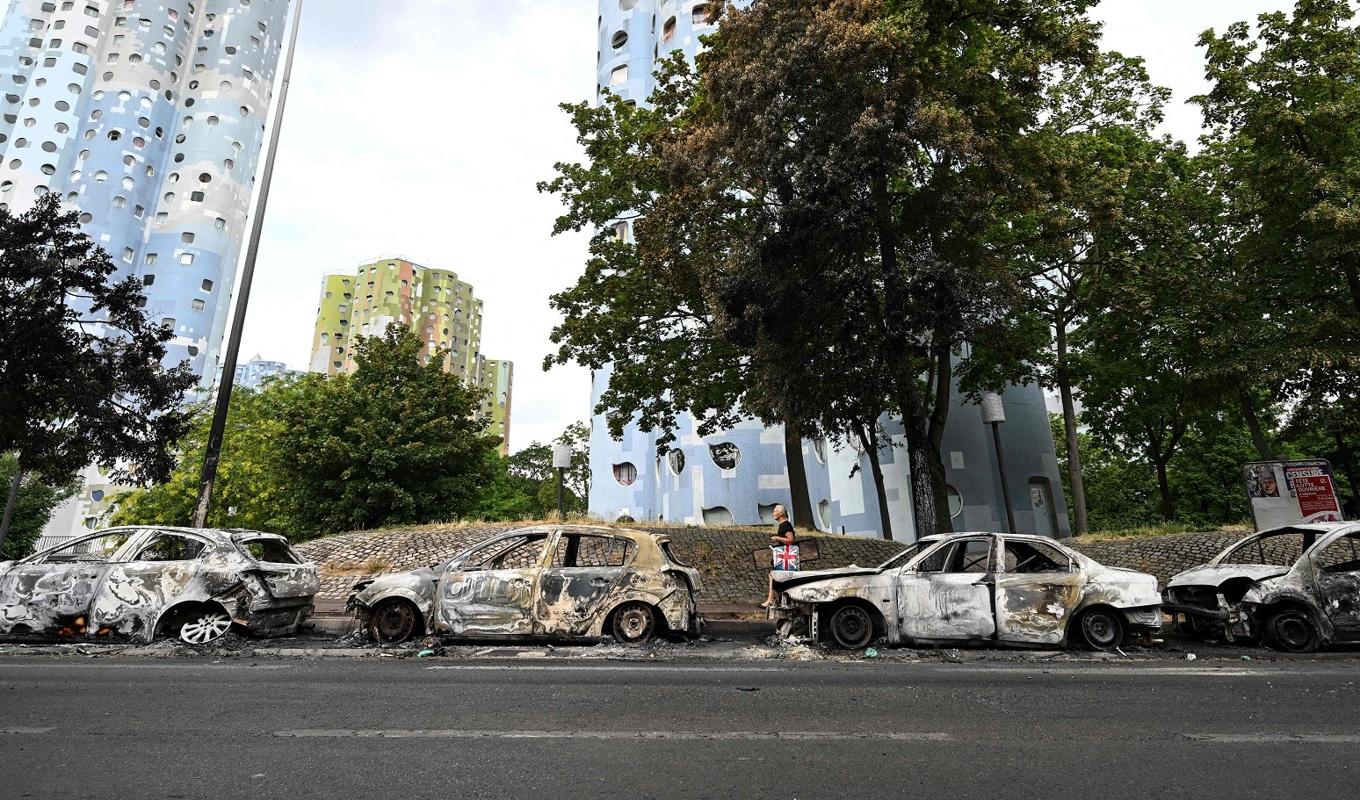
<point>1297,587</point>
<point>571,582</point>
<point>972,587</point>
<point>140,582</point>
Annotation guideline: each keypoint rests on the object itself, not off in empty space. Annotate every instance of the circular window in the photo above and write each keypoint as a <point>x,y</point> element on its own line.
<point>620,39</point>
<point>725,454</point>
<point>97,495</point>
<point>955,501</point>
<point>676,459</point>
<point>824,513</point>
<point>625,473</point>
<point>627,5</point>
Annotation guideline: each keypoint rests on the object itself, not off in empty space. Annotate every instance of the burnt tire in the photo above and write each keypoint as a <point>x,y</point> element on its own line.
<point>851,626</point>
<point>1293,631</point>
<point>394,621</point>
<point>1101,628</point>
<point>633,624</point>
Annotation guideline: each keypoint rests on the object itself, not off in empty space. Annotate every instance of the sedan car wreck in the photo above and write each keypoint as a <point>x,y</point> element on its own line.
<point>971,587</point>
<point>142,582</point>
<point>1297,587</point>
<point>562,581</point>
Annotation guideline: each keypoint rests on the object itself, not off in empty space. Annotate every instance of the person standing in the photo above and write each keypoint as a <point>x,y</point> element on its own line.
<point>782,538</point>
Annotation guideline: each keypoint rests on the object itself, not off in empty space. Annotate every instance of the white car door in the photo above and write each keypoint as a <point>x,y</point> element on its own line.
<point>1037,589</point>
<point>948,594</point>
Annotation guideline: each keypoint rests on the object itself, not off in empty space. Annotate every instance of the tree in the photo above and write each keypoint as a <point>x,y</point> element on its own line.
<point>1096,134</point>
<point>32,508</point>
<point>81,375</point>
<point>861,147</point>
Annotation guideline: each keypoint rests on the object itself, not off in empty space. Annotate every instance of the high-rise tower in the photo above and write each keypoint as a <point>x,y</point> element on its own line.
<point>737,476</point>
<point>148,116</point>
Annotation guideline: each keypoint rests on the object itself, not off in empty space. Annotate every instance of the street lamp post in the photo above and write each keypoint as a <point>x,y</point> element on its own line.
<point>561,461</point>
<point>993,414</point>
<point>213,449</point>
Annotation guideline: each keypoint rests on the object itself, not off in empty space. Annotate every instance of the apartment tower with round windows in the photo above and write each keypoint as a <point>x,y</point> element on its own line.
<point>738,476</point>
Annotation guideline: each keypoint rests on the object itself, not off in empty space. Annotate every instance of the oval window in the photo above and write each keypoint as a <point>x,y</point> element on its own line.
<point>725,454</point>
<point>625,473</point>
<point>676,458</point>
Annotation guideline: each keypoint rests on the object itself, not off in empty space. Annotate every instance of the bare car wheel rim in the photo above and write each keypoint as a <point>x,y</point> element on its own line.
<point>852,627</point>
<point>634,623</point>
<point>205,627</point>
<point>1293,632</point>
<point>1101,630</point>
<point>393,622</point>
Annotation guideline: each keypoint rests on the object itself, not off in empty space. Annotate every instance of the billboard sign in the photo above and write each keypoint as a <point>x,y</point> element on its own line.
<point>1292,492</point>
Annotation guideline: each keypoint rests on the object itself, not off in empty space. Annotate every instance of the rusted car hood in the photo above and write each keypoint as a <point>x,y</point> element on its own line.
<point>1215,574</point>
<point>788,580</point>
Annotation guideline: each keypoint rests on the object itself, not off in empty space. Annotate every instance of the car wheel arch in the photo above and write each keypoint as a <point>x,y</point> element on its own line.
<point>173,613</point>
<point>615,603</point>
<point>826,610</point>
<point>423,604</point>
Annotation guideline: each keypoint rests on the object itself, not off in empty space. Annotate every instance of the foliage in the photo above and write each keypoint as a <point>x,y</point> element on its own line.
<point>526,488</point>
<point>396,442</point>
<point>81,378</point>
<point>37,498</point>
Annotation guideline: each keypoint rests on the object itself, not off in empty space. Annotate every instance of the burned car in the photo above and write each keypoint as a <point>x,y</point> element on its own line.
<point>1297,587</point>
<point>560,581</point>
<point>971,587</point>
<point>142,582</point>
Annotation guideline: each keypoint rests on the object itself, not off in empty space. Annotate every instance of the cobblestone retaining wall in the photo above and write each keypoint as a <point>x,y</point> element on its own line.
<point>733,561</point>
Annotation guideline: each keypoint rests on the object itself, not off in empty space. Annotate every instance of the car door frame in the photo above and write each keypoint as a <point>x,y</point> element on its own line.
<point>129,603</point>
<point>1325,584</point>
<point>515,590</point>
<point>921,597</point>
<point>1043,625</point>
<point>96,581</point>
<point>558,617</point>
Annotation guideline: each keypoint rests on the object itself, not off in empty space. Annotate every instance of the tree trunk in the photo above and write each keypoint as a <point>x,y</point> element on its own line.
<point>1353,283</point>
<point>1076,480</point>
<point>918,461</point>
<point>1164,489</point>
<point>1258,435</point>
<point>11,500</point>
<point>939,417</point>
<point>870,444</point>
<point>798,487</point>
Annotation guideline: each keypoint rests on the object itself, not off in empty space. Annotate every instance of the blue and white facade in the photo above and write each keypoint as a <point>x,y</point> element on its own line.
<point>148,116</point>
<point>737,476</point>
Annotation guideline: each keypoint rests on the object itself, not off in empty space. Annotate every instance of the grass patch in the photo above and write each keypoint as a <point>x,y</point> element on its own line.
<point>1164,529</point>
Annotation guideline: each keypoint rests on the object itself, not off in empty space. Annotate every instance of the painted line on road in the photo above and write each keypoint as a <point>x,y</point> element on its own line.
<point>1273,738</point>
<point>721,736</point>
<point>47,665</point>
<point>567,667</point>
<point>1139,671</point>
<point>25,731</point>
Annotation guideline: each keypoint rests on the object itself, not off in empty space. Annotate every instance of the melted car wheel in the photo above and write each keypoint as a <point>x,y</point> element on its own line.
<point>851,627</point>
<point>205,626</point>
<point>393,621</point>
<point>1293,631</point>
<point>633,624</point>
<point>1102,629</point>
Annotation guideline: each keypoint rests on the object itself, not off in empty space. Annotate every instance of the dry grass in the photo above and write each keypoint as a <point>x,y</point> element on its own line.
<point>1153,531</point>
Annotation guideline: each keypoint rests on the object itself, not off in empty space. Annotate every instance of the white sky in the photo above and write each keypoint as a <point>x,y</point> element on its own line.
<point>419,128</point>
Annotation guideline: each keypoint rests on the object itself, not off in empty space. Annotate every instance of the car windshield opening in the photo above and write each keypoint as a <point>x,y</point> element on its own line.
<point>1277,548</point>
<point>904,556</point>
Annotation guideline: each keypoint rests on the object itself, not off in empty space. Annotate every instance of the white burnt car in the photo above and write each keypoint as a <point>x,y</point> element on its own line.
<point>143,582</point>
<point>559,581</point>
<point>972,587</point>
<point>1297,587</point>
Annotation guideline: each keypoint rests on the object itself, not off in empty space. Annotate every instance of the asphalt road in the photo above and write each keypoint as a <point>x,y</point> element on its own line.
<point>407,729</point>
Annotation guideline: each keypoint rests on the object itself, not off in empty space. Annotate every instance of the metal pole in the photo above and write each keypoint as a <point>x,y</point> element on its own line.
<point>1005,487</point>
<point>561,512</point>
<point>213,450</point>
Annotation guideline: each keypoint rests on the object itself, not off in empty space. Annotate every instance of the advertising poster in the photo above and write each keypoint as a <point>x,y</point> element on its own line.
<point>1292,492</point>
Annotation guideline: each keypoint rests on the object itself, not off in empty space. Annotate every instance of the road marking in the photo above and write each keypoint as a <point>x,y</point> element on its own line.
<point>1273,738</point>
<point>25,731</point>
<point>721,736</point>
<point>1138,671</point>
<point>48,665</point>
<point>576,667</point>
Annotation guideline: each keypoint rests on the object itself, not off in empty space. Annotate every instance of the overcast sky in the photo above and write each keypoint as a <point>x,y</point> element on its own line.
<point>419,128</point>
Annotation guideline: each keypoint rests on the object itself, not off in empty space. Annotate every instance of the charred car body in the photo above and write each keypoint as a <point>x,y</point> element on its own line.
<point>972,587</point>
<point>561,581</point>
<point>1297,587</point>
<point>141,582</point>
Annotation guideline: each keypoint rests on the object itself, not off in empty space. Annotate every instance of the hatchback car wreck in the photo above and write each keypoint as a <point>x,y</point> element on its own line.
<point>1297,587</point>
<point>971,587</point>
<point>142,582</point>
<point>559,581</point>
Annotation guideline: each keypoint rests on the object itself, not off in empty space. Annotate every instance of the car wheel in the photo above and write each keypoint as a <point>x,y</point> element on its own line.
<point>1293,631</point>
<point>633,624</point>
<point>393,621</point>
<point>851,627</point>
<point>202,627</point>
<point>1102,629</point>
